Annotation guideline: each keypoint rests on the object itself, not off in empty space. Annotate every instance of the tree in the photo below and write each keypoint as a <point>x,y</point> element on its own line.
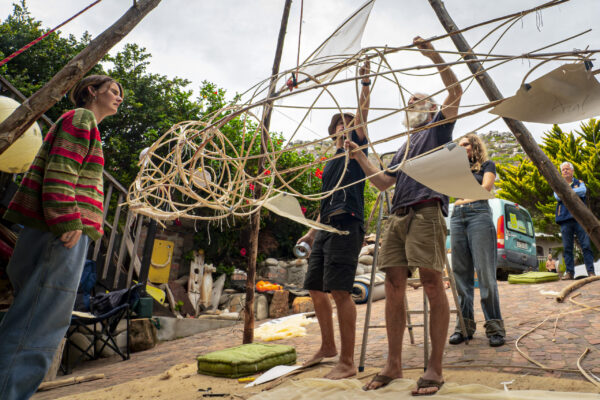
<point>523,183</point>
<point>30,70</point>
<point>152,104</point>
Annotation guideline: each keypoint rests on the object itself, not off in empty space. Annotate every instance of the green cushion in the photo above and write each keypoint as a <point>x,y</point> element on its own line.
<point>533,277</point>
<point>245,360</point>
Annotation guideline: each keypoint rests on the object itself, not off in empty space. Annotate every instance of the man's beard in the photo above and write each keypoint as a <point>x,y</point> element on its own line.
<point>416,117</point>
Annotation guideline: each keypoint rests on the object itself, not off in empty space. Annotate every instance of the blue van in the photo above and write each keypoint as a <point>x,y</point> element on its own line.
<point>515,237</point>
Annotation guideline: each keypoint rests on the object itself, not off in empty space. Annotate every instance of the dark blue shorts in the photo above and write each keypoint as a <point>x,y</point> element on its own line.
<point>334,258</point>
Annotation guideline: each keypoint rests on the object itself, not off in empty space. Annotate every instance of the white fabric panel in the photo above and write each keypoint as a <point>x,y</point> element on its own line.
<point>345,40</point>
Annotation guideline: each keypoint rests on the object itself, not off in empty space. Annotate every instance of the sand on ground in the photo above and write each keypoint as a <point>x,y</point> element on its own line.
<point>182,382</point>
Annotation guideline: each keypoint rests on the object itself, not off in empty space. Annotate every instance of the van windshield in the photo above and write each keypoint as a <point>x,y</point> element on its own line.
<point>518,220</point>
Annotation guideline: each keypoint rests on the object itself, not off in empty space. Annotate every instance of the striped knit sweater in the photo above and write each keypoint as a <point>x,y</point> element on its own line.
<point>62,190</point>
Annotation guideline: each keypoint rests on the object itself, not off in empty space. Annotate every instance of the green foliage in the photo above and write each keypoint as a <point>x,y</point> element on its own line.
<point>189,255</point>
<point>525,185</point>
<point>152,104</point>
<point>225,269</point>
<point>33,68</point>
<point>371,193</point>
<point>179,305</point>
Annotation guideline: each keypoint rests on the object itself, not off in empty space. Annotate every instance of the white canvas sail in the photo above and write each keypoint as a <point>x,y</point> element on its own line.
<point>343,42</point>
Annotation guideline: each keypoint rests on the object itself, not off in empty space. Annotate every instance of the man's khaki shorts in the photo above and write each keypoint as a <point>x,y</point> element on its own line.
<point>415,240</point>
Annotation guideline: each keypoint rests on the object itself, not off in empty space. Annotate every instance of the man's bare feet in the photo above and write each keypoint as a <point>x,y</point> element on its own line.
<point>320,355</point>
<point>341,371</point>
<point>386,375</point>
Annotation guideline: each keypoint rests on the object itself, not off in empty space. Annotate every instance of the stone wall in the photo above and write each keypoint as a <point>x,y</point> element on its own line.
<point>283,272</point>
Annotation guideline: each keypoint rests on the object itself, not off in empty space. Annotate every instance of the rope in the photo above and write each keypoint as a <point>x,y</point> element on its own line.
<point>22,49</point>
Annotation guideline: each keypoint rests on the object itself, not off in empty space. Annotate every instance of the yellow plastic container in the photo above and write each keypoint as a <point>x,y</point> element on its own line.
<point>160,264</point>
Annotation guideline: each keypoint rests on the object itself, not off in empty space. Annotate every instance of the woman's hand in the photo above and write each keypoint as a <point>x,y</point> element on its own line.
<point>71,238</point>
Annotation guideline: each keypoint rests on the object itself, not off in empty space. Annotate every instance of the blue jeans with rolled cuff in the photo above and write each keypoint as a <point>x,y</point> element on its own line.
<point>569,229</point>
<point>45,276</point>
<point>473,239</point>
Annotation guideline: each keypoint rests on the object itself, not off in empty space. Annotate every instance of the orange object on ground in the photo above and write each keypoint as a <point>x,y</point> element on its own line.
<point>265,286</point>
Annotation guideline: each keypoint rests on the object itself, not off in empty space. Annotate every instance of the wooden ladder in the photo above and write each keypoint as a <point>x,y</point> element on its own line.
<point>382,198</point>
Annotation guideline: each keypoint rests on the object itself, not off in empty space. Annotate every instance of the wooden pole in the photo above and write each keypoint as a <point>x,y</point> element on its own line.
<point>31,109</point>
<point>68,381</point>
<point>255,219</point>
<point>582,214</point>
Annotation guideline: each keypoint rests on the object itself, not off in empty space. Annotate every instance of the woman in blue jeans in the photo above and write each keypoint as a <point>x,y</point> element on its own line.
<point>59,202</point>
<point>473,238</point>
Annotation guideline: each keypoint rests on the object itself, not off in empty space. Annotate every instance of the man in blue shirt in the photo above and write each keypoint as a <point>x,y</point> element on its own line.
<point>569,227</point>
<point>416,231</point>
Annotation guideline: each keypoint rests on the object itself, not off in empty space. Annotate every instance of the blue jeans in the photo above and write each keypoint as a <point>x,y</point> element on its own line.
<point>473,238</point>
<point>45,276</point>
<point>569,229</point>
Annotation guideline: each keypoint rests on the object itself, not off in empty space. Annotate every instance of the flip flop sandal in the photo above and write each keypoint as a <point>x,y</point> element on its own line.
<point>383,379</point>
<point>427,383</point>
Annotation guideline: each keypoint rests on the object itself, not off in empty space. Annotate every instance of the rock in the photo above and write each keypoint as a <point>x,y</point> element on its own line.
<point>302,305</point>
<point>274,274</point>
<point>370,238</point>
<point>261,307</point>
<point>369,249</point>
<point>79,340</point>
<point>121,341</point>
<point>283,264</point>
<point>359,270</point>
<point>271,262</point>
<point>298,262</point>
<point>225,300</point>
<point>239,275</point>
<point>142,335</point>
<point>295,276</point>
<point>366,259</point>
<point>237,302</point>
<point>366,268</point>
<point>279,306</point>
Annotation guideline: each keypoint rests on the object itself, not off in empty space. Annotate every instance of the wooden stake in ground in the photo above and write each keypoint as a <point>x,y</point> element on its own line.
<point>255,219</point>
<point>69,381</point>
<point>33,108</point>
<point>577,208</point>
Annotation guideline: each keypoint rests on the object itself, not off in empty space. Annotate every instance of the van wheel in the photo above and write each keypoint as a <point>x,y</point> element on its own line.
<point>501,274</point>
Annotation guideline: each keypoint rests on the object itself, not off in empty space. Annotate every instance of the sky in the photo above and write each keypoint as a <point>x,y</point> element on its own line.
<point>232,44</point>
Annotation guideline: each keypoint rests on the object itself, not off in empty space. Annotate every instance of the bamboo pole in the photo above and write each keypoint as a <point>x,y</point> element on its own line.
<point>573,286</point>
<point>255,218</point>
<point>577,208</point>
<point>69,381</point>
<point>36,105</point>
<point>583,371</point>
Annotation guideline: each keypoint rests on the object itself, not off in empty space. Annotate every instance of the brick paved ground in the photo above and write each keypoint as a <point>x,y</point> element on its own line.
<point>523,308</point>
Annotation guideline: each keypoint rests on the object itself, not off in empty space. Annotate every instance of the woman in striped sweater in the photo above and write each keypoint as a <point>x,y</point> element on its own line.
<point>60,203</point>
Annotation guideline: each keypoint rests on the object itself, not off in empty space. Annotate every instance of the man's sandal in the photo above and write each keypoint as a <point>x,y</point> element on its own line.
<point>427,383</point>
<point>383,379</point>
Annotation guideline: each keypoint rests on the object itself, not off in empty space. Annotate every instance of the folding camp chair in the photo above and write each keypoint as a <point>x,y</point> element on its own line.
<point>108,309</point>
